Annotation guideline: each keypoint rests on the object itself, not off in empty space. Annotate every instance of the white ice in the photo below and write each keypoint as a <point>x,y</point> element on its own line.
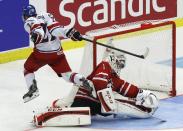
<point>16,115</point>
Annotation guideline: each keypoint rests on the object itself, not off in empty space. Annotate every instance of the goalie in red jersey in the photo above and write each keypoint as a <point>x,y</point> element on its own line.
<point>112,94</point>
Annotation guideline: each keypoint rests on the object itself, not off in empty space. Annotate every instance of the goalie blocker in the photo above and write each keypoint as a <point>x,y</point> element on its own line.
<point>74,116</point>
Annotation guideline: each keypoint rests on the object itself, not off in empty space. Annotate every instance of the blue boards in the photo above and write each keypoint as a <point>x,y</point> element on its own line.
<point>12,34</point>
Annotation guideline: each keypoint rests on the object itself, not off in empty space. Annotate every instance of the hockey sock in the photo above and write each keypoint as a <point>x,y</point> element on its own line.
<point>29,77</point>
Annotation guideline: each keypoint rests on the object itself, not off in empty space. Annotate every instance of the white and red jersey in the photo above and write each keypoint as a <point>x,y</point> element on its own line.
<point>49,29</point>
<point>104,76</point>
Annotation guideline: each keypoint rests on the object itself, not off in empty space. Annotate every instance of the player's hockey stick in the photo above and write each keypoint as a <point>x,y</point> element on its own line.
<point>129,53</point>
<point>159,119</point>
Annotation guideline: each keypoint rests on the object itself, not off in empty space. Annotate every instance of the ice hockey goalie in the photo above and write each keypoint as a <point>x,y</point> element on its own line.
<point>112,94</point>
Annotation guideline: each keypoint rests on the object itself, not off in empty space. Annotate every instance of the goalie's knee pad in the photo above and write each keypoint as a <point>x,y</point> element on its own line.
<point>147,99</point>
<point>62,103</point>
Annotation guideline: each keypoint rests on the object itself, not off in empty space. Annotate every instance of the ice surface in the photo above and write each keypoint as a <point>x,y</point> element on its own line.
<point>16,115</point>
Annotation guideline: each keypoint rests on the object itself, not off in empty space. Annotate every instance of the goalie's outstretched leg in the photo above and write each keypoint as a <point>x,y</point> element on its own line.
<point>74,116</point>
<point>142,108</point>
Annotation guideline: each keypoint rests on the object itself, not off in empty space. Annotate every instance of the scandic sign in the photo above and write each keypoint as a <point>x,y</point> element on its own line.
<point>87,15</point>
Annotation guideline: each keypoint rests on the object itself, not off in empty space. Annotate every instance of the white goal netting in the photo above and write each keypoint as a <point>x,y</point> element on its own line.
<point>155,72</point>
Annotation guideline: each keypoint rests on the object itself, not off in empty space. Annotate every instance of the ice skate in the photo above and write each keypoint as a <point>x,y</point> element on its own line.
<point>32,93</point>
<point>87,84</point>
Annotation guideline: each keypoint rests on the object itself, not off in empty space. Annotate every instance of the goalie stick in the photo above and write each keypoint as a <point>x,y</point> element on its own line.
<point>127,52</point>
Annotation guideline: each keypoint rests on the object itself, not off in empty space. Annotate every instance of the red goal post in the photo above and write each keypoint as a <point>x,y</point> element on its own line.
<point>135,39</point>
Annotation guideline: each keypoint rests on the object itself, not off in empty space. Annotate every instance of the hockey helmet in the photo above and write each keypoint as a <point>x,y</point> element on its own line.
<point>117,61</point>
<point>28,11</point>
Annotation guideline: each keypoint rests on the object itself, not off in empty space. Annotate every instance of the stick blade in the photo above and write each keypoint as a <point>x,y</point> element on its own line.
<point>146,53</point>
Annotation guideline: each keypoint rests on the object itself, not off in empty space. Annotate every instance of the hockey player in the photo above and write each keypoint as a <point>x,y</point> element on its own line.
<point>111,96</point>
<point>45,32</point>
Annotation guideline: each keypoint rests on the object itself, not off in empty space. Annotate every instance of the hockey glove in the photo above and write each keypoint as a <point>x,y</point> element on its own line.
<point>36,37</point>
<point>74,35</point>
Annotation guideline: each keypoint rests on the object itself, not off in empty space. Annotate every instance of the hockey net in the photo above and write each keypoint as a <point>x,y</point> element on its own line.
<point>156,72</point>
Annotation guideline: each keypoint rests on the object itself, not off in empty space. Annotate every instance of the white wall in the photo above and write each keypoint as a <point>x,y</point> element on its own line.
<point>180,8</point>
<point>39,4</point>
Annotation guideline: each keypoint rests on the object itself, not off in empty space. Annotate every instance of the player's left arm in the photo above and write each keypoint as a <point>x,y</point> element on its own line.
<point>58,30</point>
<point>54,26</point>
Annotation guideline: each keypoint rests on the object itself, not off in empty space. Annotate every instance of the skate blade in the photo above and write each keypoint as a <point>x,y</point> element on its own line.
<point>29,99</point>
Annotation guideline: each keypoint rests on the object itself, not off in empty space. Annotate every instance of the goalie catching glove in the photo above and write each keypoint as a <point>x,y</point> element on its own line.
<point>74,35</point>
<point>147,99</point>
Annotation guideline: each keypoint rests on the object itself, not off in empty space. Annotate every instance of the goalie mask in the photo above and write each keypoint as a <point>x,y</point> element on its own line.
<point>116,61</point>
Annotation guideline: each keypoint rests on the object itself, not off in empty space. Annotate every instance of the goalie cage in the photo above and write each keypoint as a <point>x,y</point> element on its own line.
<point>157,72</point>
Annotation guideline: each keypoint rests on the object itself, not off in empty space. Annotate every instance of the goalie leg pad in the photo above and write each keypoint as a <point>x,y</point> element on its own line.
<point>127,107</point>
<point>62,103</point>
<point>66,101</point>
<point>74,116</point>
